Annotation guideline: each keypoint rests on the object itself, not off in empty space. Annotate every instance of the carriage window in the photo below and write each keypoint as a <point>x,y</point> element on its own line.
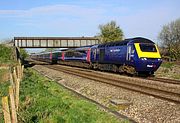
<point>148,47</point>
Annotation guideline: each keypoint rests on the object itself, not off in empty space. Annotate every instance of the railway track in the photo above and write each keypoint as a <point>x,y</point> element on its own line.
<point>156,91</point>
<point>162,80</point>
<point>165,80</point>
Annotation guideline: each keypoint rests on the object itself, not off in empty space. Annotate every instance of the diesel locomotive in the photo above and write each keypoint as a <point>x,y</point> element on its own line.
<point>133,56</point>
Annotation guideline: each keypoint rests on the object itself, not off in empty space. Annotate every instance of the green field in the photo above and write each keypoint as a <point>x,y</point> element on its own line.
<point>45,101</point>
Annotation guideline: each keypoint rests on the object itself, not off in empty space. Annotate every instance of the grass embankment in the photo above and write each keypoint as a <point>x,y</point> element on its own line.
<point>4,75</point>
<point>42,100</point>
<point>167,65</point>
<point>169,70</point>
<point>6,55</point>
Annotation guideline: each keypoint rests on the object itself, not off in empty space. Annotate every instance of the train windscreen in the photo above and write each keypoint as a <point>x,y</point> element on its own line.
<point>147,47</point>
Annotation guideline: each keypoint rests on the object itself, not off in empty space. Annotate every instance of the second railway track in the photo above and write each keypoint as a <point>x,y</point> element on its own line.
<point>162,93</point>
<point>165,80</point>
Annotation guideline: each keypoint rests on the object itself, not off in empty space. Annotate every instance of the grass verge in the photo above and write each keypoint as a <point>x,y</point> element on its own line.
<point>169,70</point>
<point>167,65</point>
<point>44,101</point>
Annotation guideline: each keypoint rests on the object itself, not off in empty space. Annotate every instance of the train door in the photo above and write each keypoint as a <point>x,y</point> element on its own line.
<point>130,54</point>
<point>102,53</point>
<point>95,54</point>
<point>88,58</point>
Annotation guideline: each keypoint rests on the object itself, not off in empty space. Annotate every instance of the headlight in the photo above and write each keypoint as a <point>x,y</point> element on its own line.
<point>143,58</point>
<point>159,59</point>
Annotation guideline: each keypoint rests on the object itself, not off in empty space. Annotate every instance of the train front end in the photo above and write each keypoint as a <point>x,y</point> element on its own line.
<point>149,58</point>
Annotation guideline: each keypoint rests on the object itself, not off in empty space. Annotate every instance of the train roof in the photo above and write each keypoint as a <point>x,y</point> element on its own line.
<point>79,48</point>
<point>141,40</point>
<point>124,42</point>
<point>83,47</point>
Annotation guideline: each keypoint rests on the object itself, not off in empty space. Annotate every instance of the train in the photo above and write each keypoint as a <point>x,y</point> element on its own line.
<point>133,56</point>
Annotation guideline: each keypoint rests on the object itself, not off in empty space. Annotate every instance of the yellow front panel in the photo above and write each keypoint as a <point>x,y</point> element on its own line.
<point>147,54</point>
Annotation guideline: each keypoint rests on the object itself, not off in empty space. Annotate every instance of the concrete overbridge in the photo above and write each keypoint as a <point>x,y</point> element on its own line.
<point>54,42</point>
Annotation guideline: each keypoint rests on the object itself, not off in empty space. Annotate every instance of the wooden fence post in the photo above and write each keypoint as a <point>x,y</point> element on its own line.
<point>19,61</point>
<point>17,71</point>
<point>14,75</point>
<point>17,93</point>
<point>11,79</point>
<point>22,71</point>
<point>19,67</point>
<point>12,103</point>
<point>6,111</point>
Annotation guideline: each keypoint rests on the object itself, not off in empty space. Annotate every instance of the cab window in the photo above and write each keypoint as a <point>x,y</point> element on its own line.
<point>147,47</point>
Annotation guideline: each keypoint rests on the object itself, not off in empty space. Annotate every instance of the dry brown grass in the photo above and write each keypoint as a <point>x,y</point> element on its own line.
<point>4,75</point>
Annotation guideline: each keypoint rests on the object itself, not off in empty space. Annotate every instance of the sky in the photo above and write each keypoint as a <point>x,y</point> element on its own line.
<point>79,18</point>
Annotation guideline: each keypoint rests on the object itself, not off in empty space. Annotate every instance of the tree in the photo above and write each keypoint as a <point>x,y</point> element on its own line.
<point>170,39</point>
<point>110,32</point>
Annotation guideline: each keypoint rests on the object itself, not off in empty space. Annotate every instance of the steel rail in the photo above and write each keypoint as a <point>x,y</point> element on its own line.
<point>164,80</point>
<point>162,94</point>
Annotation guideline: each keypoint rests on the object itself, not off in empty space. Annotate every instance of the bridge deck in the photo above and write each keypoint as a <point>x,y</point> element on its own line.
<point>54,42</point>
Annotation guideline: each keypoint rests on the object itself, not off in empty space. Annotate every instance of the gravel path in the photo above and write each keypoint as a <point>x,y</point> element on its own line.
<point>144,109</point>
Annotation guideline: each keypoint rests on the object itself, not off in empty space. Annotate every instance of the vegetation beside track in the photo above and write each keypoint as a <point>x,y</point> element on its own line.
<point>43,100</point>
<point>4,75</point>
<point>6,55</point>
<point>6,59</point>
<point>167,64</point>
<point>169,70</point>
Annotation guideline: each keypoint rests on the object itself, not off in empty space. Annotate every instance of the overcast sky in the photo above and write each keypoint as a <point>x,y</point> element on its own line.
<point>81,17</point>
